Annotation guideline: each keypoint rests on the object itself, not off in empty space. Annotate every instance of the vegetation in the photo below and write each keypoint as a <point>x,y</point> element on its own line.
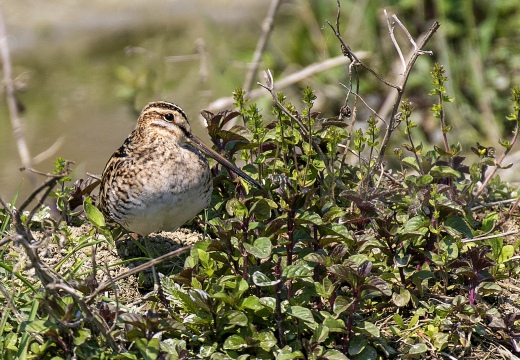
<point>337,257</point>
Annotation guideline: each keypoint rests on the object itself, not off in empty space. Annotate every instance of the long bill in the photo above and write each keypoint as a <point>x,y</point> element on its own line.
<point>222,160</point>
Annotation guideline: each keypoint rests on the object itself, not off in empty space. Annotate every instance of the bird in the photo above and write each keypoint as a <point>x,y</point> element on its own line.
<point>159,178</point>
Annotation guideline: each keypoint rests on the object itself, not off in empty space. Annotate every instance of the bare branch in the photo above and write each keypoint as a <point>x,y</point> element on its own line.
<point>348,52</point>
<point>498,163</point>
<point>400,90</point>
<point>480,238</point>
<point>364,102</point>
<point>267,28</point>
<point>200,47</point>
<point>51,151</point>
<point>513,208</point>
<point>410,38</point>
<point>269,86</point>
<point>23,150</point>
<point>201,55</point>
<point>106,284</point>
<point>495,203</point>
<point>49,183</point>
<point>394,41</point>
<point>226,102</point>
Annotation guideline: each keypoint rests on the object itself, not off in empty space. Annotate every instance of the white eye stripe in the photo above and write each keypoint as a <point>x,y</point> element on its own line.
<point>163,105</point>
<point>163,124</point>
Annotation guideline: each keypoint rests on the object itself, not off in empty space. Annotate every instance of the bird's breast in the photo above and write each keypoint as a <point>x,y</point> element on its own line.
<point>168,190</point>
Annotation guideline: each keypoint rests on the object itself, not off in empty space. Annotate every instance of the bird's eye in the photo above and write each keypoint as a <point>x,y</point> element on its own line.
<point>168,117</point>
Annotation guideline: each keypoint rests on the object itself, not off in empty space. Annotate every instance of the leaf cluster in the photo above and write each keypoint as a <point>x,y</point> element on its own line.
<point>334,258</point>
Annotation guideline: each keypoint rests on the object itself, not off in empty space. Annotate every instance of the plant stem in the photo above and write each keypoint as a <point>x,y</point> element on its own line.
<point>443,123</point>
<point>290,246</point>
<point>278,311</point>
<point>498,162</point>
<point>245,226</point>
<point>350,321</point>
<point>23,149</point>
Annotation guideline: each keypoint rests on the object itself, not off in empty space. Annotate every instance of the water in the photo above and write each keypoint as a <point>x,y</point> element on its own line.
<point>85,70</point>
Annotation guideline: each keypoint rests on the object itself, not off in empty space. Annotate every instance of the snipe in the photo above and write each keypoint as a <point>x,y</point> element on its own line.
<point>159,178</point>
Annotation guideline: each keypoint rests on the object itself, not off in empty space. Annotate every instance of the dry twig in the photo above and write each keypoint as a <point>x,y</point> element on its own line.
<point>267,28</point>
<point>50,280</point>
<point>394,41</point>
<point>23,149</point>
<point>498,164</point>
<point>400,89</point>
<point>269,86</point>
<point>226,102</point>
<point>106,284</point>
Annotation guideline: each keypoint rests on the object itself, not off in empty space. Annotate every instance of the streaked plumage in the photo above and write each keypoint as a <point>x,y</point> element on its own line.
<point>159,178</point>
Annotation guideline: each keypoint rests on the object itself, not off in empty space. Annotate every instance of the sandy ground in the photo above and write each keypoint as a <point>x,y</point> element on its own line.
<point>108,262</point>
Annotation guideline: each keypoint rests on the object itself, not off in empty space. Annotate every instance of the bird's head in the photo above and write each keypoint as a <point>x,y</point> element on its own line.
<point>161,118</point>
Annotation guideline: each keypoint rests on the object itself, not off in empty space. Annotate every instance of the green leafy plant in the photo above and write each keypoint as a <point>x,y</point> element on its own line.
<point>335,258</point>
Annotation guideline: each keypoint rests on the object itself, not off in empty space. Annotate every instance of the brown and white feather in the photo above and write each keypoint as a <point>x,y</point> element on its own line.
<point>158,179</point>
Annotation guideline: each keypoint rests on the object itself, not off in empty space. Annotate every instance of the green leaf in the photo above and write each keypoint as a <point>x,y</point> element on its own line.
<point>507,253</point>
<point>319,258</point>
<point>449,247</point>
<point>224,297</point>
<point>38,326</point>
<point>423,274</point>
<point>235,208</point>
<point>80,336</point>
<point>235,342</point>
<point>402,298</point>
<point>424,180</point>
<point>418,348</point>
<point>320,334</point>
<point>411,162</point>
<point>456,225</point>
<point>489,221</point>
<point>440,340</point>
<point>341,304</point>
<point>296,271</point>
<point>334,325</point>
<point>260,279</point>
<point>399,321</point>
<point>488,287</point>
<point>416,223</point>
<point>251,302</point>
<point>267,340</point>
<point>262,209</point>
<point>324,289</point>
<point>288,354</point>
<point>240,287</point>
<point>260,249</point>
<point>202,299</point>
<point>368,353</point>
<point>413,321</point>
<point>440,171</point>
<point>148,349</point>
<point>309,217</point>
<point>268,302</point>
<point>369,329</point>
<point>357,345</point>
<point>93,214</point>
<point>235,317</point>
<point>333,355</point>
<point>301,313</point>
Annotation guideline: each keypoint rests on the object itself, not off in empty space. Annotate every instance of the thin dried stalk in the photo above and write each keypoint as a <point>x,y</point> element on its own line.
<point>21,144</point>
